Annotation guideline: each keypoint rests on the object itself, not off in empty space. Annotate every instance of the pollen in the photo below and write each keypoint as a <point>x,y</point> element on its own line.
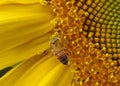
<point>90,31</point>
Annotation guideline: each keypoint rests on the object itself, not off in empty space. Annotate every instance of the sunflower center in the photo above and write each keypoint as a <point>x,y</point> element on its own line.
<point>82,22</point>
<point>90,31</point>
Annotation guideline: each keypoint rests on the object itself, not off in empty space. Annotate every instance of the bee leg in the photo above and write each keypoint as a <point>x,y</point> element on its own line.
<point>47,51</point>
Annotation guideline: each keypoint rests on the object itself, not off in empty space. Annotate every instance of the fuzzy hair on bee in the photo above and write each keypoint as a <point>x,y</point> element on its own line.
<point>58,49</point>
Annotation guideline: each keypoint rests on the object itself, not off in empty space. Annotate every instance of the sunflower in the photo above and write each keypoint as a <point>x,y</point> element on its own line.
<point>87,34</point>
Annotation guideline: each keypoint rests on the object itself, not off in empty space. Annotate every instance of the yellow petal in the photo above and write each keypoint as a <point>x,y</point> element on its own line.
<point>58,76</point>
<point>18,1</point>
<point>47,71</point>
<point>24,31</point>
<point>22,52</point>
<point>20,70</point>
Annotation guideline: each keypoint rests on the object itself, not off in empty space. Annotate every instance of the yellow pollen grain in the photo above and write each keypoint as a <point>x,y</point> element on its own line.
<point>71,30</point>
<point>81,82</point>
<point>78,52</point>
<point>80,30</point>
<point>97,83</point>
<point>87,79</point>
<point>111,76</point>
<point>64,37</point>
<point>73,42</point>
<point>92,69</point>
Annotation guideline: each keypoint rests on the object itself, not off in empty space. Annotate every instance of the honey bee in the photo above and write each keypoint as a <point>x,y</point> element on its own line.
<point>59,50</point>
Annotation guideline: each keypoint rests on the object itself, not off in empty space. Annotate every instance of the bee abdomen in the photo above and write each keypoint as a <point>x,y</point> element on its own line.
<point>63,59</point>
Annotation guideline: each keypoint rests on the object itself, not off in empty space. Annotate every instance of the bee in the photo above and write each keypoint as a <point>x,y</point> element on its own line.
<point>59,50</point>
